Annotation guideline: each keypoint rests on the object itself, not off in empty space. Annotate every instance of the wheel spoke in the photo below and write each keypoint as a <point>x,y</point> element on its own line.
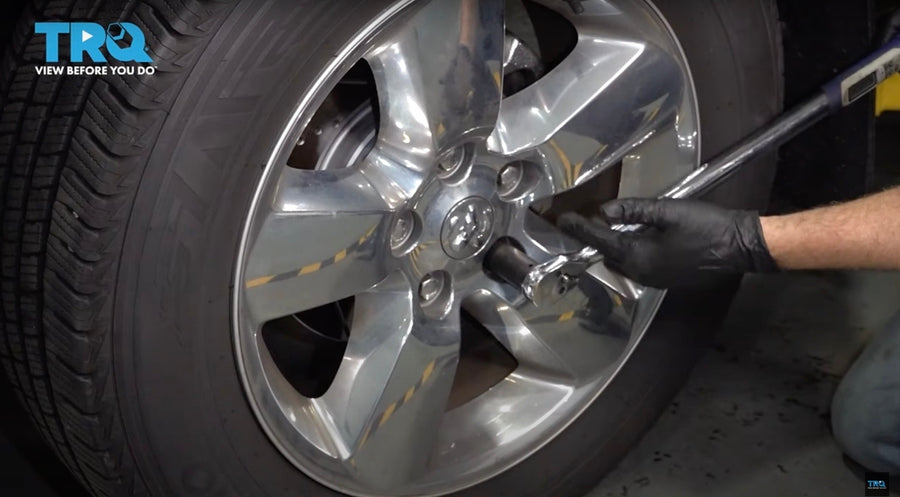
<point>615,284</point>
<point>510,329</point>
<point>388,398</point>
<point>608,96</point>
<point>322,241</point>
<point>439,78</point>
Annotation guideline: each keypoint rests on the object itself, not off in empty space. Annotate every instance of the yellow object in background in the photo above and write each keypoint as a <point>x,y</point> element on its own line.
<point>887,95</point>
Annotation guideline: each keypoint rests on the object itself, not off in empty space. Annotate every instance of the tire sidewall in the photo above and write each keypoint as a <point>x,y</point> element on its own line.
<point>186,415</point>
<point>188,421</point>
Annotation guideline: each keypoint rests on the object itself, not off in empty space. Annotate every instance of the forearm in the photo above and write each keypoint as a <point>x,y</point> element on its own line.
<point>863,234</point>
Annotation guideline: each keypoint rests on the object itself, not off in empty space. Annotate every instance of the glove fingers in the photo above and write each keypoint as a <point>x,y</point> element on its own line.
<point>650,212</point>
<point>608,242</point>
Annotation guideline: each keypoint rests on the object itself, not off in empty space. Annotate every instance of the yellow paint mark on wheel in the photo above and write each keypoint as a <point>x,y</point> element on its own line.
<point>340,256</point>
<point>567,164</point>
<point>428,370</point>
<point>387,414</point>
<point>312,268</point>
<point>365,437</point>
<point>617,300</point>
<point>259,281</point>
<point>365,237</point>
<point>566,316</point>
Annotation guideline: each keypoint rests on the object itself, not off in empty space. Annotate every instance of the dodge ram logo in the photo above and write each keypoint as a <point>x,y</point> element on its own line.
<point>467,228</point>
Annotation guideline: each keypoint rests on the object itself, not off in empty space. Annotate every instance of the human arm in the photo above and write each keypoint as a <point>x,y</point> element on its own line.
<point>862,234</point>
<point>684,237</point>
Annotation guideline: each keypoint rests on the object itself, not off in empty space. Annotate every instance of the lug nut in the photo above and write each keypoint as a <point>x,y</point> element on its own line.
<point>436,294</point>
<point>430,288</point>
<point>403,230</point>
<point>510,178</point>
<point>451,161</point>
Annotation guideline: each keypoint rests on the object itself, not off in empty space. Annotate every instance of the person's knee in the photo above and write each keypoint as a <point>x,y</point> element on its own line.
<point>849,424</point>
<point>865,410</point>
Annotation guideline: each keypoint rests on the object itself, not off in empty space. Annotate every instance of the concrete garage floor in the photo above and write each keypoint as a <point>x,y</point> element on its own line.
<point>752,420</point>
<point>754,417</point>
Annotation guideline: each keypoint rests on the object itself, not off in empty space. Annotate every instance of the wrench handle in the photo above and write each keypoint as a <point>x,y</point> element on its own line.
<point>848,87</point>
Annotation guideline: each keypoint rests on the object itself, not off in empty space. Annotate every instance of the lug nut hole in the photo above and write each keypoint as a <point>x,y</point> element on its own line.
<point>516,180</point>
<point>436,294</point>
<point>453,166</point>
<point>405,233</point>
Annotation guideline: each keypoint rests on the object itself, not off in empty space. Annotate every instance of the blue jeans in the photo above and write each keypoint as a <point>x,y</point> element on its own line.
<point>865,411</point>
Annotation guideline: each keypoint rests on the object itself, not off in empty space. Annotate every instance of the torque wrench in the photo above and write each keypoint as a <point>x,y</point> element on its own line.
<point>540,281</point>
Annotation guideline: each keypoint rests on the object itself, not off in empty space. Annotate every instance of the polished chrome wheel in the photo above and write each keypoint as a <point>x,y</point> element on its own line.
<point>364,256</point>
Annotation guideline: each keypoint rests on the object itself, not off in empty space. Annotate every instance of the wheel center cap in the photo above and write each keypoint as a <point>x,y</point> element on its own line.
<point>467,228</point>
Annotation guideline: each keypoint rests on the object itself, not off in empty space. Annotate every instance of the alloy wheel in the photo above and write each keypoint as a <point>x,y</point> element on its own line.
<point>361,273</point>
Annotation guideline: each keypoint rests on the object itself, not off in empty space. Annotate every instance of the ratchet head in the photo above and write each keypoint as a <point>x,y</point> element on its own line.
<point>542,283</point>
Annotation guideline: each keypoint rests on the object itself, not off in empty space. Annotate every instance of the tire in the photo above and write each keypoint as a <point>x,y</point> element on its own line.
<point>120,197</point>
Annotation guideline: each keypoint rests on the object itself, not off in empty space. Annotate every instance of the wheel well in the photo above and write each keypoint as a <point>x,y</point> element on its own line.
<point>833,161</point>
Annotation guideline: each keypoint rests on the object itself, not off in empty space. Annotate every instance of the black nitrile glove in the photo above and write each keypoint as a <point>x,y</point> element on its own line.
<point>680,238</point>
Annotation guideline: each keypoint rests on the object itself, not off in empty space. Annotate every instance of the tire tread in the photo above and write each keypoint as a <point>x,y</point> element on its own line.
<point>72,150</point>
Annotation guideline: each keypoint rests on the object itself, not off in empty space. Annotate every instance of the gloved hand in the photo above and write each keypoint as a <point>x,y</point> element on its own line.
<point>681,238</point>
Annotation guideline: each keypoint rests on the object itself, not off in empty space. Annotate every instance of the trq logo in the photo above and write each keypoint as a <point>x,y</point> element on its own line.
<point>124,42</point>
<point>878,484</point>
